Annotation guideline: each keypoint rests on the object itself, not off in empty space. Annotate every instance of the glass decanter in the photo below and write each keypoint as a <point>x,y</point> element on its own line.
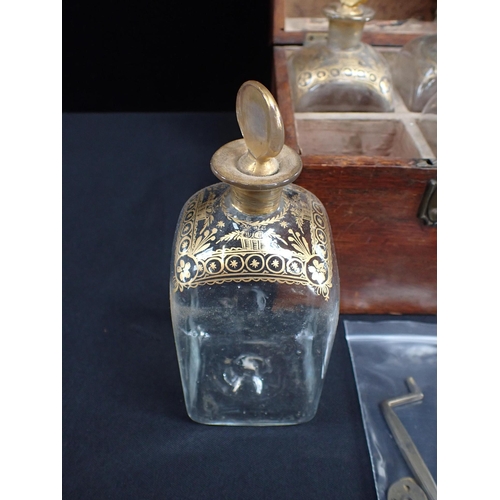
<point>415,72</point>
<point>343,74</point>
<point>254,288</point>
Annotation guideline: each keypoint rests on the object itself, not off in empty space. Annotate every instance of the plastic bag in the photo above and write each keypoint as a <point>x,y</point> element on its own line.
<point>384,354</point>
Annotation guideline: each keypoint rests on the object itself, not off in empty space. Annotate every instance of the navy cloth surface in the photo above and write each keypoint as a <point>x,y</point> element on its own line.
<point>126,434</point>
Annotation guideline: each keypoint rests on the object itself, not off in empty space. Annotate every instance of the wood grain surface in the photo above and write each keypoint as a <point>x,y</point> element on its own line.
<point>386,256</point>
<point>424,10</point>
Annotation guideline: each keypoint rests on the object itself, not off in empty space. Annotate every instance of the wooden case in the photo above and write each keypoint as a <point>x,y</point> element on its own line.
<point>372,171</point>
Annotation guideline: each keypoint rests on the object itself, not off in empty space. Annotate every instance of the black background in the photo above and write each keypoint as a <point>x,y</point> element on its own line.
<point>163,56</point>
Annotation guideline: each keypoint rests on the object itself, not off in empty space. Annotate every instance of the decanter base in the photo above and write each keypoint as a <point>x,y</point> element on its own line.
<point>250,423</point>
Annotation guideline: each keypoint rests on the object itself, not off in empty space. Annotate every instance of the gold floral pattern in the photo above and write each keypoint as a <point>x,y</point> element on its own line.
<point>183,270</point>
<point>292,246</point>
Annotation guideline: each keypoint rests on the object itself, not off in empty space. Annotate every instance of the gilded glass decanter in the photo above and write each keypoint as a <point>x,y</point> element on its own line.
<point>415,72</point>
<point>343,74</point>
<point>254,288</point>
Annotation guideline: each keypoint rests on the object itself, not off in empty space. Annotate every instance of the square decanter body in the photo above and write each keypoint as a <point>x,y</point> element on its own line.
<point>255,305</point>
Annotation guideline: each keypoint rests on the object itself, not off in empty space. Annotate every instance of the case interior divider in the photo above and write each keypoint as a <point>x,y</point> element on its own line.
<point>314,127</point>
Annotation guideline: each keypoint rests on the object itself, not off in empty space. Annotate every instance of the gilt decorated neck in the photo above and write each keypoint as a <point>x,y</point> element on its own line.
<point>259,165</point>
<point>346,21</point>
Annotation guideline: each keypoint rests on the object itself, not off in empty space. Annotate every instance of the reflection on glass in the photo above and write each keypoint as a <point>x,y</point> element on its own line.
<point>415,72</point>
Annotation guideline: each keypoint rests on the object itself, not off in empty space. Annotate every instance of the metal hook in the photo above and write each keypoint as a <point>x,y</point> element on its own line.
<point>403,439</point>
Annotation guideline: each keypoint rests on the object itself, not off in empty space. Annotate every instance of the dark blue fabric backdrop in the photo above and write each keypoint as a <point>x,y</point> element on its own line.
<point>126,434</point>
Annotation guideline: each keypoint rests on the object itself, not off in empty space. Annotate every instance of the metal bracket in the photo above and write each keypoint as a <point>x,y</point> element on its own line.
<point>403,439</point>
<point>427,211</point>
<point>315,37</point>
<point>406,489</point>
<point>426,162</point>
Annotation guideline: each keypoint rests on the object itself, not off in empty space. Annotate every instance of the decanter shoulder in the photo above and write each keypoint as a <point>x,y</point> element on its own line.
<point>300,197</point>
<point>212,204</point>
<point>200,205</point>
<point>357,79</point>
<point>311,57</point>
<point>215,243</point>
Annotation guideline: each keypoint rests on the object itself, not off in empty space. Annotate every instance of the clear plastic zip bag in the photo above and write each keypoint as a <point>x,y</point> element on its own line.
<point>384,354</point>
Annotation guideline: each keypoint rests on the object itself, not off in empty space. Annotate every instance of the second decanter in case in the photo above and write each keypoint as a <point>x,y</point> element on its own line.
<point>343,74</point>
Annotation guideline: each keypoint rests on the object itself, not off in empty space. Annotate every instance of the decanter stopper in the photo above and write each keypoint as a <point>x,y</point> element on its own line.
<point>262,128</point>
<point>259,165</point>
<point>346,22</point>
<point>351,7</point>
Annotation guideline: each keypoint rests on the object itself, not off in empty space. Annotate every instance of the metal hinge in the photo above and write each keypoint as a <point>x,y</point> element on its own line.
<point>427,162</point>
<point>427,211</point>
